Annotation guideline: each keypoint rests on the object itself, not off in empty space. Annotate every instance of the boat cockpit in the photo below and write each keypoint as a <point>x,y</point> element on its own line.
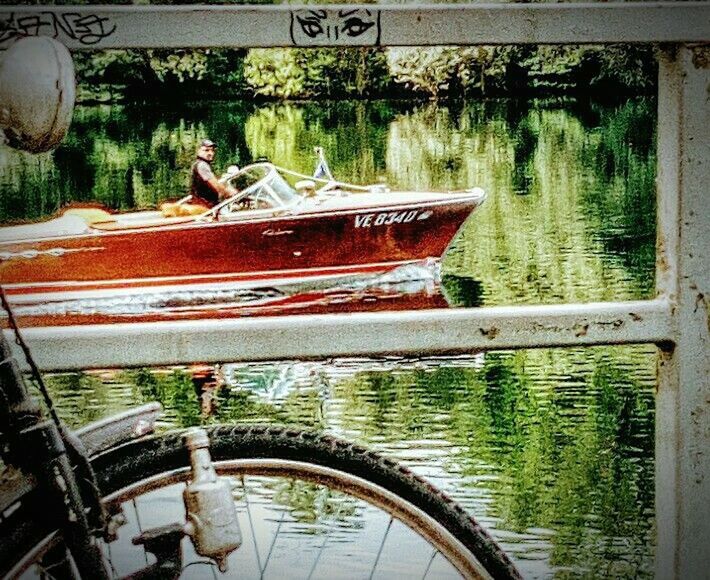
<point>261,190</point>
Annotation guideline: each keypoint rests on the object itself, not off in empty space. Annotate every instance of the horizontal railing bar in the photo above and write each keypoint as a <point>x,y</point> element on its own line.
<point>97,27</point>
<point>423,332</point>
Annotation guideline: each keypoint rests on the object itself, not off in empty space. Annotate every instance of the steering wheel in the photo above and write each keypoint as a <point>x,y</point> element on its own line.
<point>228,205</point>
<point>262,200</point>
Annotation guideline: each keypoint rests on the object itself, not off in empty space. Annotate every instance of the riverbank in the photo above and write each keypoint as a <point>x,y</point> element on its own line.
<point>441,72</point>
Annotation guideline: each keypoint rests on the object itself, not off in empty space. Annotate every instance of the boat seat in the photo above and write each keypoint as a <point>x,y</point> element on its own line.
<point>89,214</point>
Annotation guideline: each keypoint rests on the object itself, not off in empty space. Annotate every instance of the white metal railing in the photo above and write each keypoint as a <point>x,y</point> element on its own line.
<point>362,333</point>
<point>676,321</point>
<point>91,27</point>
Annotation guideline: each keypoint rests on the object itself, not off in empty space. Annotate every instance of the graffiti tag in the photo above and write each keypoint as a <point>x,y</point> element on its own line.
<point>324,26</point>
<point>87,29</point>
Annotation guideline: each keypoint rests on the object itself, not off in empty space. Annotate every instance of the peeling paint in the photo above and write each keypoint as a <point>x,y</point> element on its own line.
<point>618,323</point>
<point>491,332</point>
<point>581,329</point>
<point>662,263</point>
<point>701,57</point>
<point>700,425</point>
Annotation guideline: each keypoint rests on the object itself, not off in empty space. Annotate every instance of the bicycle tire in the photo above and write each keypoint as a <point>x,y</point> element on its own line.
<point>139,461</point>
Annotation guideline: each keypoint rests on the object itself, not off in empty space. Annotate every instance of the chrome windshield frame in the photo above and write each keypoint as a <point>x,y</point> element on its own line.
<point>272,172</point>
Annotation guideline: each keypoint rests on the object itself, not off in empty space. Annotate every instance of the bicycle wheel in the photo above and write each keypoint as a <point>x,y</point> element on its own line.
<point>310,506</point>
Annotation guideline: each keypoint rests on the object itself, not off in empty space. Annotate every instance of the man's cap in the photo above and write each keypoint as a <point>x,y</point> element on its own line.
<point>208,144</point>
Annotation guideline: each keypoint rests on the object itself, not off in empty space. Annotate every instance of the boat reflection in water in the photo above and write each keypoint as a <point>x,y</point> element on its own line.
<point>275,382</point>
<point>415,286</point>
<point>411,287</point>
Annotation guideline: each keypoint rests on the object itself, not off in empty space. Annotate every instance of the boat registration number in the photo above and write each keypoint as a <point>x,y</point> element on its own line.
<point>369,220</point>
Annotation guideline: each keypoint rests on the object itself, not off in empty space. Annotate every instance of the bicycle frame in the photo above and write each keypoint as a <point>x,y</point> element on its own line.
<point>42,454</point>
<point>40,446</point>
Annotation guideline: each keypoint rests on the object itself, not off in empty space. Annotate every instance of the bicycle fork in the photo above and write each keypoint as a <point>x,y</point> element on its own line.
<point>39,446</point>
<point>43,452</point>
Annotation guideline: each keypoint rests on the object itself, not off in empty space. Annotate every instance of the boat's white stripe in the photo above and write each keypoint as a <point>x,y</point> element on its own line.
<point>342,211</point>
<point>172,283</point>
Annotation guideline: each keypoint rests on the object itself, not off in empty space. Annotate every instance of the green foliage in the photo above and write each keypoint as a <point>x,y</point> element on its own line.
<point>454,71</point>
<point>435,71</point>
<point>553,66</point>
<point>360,72</point>
<point>297,73</point>
<point>274,73</point>
<point>630,68</point>
<point>206,72</point>
<point>182,64</point>
<point>138,74</point>
<point>323,72</point>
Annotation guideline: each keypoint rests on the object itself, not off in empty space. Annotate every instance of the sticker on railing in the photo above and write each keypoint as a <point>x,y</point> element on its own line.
<point>346,26</point>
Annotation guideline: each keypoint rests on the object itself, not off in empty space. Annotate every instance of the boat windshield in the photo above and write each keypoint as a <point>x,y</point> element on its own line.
<point>262,186</point>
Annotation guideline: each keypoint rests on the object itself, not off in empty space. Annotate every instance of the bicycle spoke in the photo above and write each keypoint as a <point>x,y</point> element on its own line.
<point>321,549</point>
<point>56,564</point>
<point>431,561</point>
<point>382,545</point>
<point>273,542</point>
<point>45,575</point>
<point>298,511</point>
<point>140,526</point>
<point>114,573</point>
<point>251,528</point>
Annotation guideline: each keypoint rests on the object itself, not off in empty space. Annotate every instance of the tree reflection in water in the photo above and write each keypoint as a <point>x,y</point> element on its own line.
<point>552,449</point>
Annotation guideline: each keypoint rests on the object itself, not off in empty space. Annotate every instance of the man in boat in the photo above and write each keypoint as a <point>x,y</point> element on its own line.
<point>205,187</point>
<point>206,190</point>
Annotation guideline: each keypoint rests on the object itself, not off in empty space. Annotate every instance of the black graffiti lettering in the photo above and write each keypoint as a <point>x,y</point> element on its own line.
<point>87,29</point>
<point>349,11</point>
<point>63,25</point>
<point>7,28</point>
<point>355,27</point>
<point>335,26</point>
<point>311,26</point>
<point>32,25</point>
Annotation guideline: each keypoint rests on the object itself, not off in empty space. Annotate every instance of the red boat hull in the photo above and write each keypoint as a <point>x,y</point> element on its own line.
<point>256,251</point>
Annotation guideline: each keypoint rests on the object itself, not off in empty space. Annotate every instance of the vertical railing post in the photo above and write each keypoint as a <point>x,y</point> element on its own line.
<point>683,277</point>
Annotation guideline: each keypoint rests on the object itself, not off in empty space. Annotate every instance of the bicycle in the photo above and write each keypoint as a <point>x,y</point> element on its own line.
<point>69,501</point>
<point>64,499</point>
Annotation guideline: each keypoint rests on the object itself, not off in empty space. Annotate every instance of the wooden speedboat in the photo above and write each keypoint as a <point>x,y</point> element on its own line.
<point>278,228</point>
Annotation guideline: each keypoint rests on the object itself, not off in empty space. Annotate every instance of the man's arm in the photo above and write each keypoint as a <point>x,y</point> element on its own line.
<point>223,190</point>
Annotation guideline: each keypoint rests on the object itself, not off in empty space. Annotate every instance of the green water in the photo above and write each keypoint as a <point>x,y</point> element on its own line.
<point>570,214</point>
<point>552,450</point>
